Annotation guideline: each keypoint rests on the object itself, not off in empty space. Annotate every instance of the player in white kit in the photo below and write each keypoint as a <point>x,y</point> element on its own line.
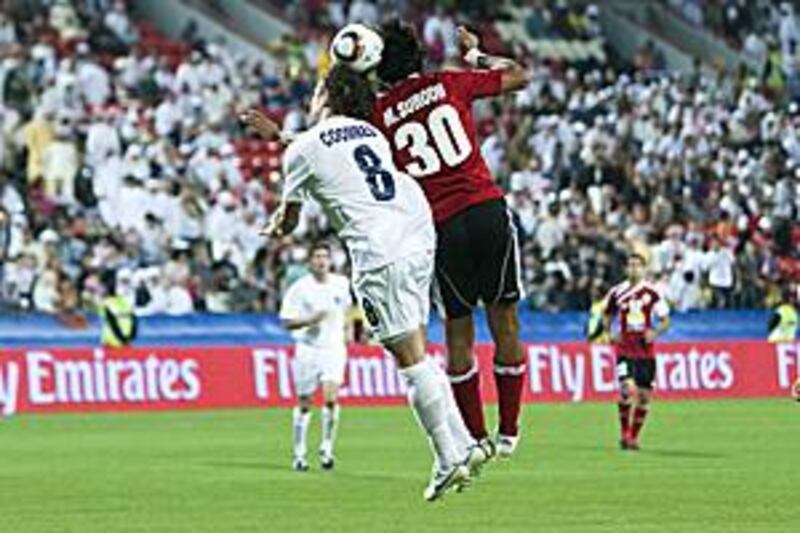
<point>314,309</point>
<point>381,214</point>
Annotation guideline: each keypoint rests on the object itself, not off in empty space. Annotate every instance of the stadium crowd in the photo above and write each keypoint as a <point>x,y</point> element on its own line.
<point>766,32</point>
<point>123,158</point>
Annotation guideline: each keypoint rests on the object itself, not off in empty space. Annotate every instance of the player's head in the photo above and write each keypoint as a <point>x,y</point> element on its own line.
<point>635,266</point>
<point>402,52</point>
<point>320,258</point>
<point>349,93</point>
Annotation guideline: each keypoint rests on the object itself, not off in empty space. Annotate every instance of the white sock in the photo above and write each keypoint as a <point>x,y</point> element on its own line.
<point>300,424</point>
<point>428,402</point>
<point>330,419</point>
<point>458,429</point>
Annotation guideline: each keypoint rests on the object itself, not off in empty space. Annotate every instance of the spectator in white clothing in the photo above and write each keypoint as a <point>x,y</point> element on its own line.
<point>94,82</point>
<point>719,263</point>
<point>440,35</point>
<point>222,225</point>
<point>118,21</point>
<point>8,33</point>
<point>45,292</point>
<point>364,11</point>
<point>102,141</point>
<point>106,184</point>
<point>179,299</point>
<point>549,233</point>
<point>60,162</point>
<point>788,31</point>
<point>135,163</point>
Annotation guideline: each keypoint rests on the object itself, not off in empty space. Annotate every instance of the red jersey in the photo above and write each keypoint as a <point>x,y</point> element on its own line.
<point>635,306</point>
<point>428,121</point>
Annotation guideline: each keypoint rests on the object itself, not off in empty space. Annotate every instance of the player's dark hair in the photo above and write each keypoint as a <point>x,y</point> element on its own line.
<point>349,93</point>
<point>403,53</point>
<point>319,245</point>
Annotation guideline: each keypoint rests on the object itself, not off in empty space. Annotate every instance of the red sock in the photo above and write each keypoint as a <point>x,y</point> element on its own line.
<point>639,415</point>
<point>624,418</point>
<point>467,390</point>
<point>509,381</point>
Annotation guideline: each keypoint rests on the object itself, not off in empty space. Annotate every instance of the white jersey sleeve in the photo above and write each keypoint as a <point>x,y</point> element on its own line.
<point>297,170</point>
<point>292,306</point>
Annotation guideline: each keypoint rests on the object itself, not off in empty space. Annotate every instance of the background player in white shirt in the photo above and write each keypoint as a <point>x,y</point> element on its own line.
<point>314,310</point>
<point>381,214</point>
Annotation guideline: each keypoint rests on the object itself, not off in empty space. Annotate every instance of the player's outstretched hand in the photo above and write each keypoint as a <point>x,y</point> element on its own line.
<point>467,39</point>
<point>649,336</point>
<point>265,126</point>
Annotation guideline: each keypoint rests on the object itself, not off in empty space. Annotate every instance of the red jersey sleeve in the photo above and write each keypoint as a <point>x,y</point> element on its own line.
<point>472,84</point>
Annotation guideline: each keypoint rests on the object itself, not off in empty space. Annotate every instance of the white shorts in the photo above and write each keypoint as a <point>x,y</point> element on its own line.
<point>312,366</point>
<point>396,298</point>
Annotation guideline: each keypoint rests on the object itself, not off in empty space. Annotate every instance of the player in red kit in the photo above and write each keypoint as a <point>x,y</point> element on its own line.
<point>636,305</point>
<point>427,116</point>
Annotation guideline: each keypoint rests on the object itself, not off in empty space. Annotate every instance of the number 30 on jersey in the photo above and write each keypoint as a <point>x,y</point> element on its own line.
<point>440,140</point>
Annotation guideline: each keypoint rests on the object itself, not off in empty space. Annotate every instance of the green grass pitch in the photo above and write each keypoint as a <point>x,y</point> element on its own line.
<point>724,466</point>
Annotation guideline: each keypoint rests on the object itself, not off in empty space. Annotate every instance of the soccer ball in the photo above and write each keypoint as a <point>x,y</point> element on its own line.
<point>357,46</point>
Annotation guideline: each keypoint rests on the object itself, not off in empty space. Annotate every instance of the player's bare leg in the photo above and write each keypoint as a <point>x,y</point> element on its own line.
<point>509,373</point>
<point>330,420</point>
<point>301,420</point>
<point>464,375</point>
<point>426,386</point>
<point>627,393</point>
<point>643,398</point>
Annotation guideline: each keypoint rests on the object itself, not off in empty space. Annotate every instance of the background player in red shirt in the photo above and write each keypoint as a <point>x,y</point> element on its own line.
<point>427,116</point>
<point>635,303</point>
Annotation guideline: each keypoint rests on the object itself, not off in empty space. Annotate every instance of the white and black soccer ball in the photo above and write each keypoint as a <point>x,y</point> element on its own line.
<point>358,46</point>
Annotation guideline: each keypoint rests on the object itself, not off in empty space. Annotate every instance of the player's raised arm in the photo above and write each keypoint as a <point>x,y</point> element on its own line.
<point>265,126</point>
<point>514,75</point>
<point>270,129</point>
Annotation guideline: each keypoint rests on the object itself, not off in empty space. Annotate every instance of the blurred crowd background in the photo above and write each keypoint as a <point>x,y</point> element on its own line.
<point>122,159</point>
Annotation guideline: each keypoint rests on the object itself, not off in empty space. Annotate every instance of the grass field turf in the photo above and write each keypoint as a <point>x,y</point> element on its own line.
<point>724,466</point>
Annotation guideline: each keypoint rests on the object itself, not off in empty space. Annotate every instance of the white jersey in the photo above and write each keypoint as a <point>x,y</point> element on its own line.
<point>306,297</point>
<point>379,212</point>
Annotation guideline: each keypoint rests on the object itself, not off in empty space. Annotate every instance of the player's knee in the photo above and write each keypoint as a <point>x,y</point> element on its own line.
<point>460,361</point>
<point>304,402</point>
<point>643,397</point>
<point>626,390</point>
<point>329,397</point>
<point>504,323</point>
<point>459,355</point>
<point>459,344</point>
